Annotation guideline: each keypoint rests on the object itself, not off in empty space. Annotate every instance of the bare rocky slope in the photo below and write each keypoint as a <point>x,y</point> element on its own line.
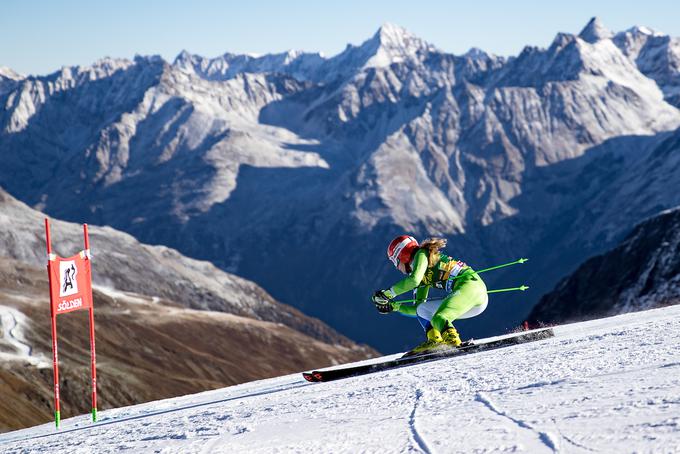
<point>641,273</point>
<point>295,170</point>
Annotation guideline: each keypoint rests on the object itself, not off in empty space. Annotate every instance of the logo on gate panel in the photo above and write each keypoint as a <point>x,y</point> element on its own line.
<point>67,278</point>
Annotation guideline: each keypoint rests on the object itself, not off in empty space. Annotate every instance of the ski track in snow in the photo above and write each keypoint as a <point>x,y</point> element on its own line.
<point>608,385</point>
<point>569,440</point>
<point>545,437</point>
<point>417,437</point>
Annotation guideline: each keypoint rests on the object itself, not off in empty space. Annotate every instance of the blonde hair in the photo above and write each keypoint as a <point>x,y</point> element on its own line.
<point>433,246</point>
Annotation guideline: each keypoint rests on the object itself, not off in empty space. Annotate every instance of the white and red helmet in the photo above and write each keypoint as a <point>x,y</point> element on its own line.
<point>401,250</point>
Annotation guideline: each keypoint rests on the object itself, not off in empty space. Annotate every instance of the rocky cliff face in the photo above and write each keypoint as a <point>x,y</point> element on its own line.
<point>642,272</point>
<point>295,170</point>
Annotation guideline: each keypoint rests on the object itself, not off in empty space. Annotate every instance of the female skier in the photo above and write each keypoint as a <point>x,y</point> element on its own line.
<point>427,266</point>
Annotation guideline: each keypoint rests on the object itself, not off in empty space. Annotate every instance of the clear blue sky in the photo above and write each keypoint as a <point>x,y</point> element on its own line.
<point>38,37</point>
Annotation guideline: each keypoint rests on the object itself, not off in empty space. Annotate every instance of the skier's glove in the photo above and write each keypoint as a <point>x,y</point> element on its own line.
<point>382,301</point>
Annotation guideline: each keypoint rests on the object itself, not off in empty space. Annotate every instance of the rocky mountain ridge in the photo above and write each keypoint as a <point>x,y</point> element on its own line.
<point>643,272</point>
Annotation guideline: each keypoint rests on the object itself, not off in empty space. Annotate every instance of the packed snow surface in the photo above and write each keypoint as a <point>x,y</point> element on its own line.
<point>609,385</point>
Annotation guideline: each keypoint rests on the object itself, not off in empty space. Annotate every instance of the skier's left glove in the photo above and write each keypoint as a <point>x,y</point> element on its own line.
<point>383,301</point>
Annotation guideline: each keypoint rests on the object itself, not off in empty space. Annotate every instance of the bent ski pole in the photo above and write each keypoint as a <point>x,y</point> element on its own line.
<point>521,287</point>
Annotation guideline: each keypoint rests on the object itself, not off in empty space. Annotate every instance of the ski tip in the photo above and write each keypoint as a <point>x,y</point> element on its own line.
<point>309,377</point>
<point>314,376</point>
<point>522,260</point>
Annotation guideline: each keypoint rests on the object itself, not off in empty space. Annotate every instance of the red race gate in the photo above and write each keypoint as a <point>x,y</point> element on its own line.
<point>70,290</point>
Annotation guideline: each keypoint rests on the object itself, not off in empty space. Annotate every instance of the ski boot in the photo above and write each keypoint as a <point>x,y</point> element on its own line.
<point>451,337</point>
<point>434,339</point>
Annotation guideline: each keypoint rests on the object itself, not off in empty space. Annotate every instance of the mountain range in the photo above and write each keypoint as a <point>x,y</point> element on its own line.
<point>295,170</point>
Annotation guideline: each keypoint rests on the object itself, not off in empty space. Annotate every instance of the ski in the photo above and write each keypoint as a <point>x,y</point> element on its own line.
<point>353,371</point>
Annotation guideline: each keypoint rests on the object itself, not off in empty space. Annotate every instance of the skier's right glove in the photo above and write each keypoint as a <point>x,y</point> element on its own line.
<point>382,302</point>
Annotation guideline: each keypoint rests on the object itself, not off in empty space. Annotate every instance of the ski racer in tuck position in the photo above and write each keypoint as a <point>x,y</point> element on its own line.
<point>428,266</point>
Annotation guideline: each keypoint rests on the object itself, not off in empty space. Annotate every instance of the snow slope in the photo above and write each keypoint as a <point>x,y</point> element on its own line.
<point>608,385</point>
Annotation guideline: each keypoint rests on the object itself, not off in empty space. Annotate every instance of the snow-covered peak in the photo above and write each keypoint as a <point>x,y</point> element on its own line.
<point>292,54</point>
<point>642,30</point>
<point>187,61</point>
<point>595,31</point>
<point>107,66</point>
<point>297,63</point>
<point>632,41</point>
<point>183,58</point>
<point>475,53</point>
<point>393,44</point>
<point>9,73</point>
<point>389,45</point>
<point>656,55</point>
<point>102,68</point>
<point>8,79</point>
<point>183,55</point>
<point>392,35</point>
<point>561,41</point>
<point>572,57</point>
<point>535,66</point>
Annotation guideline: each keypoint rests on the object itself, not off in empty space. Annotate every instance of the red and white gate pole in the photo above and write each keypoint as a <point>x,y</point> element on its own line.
<point>53,315</point>
<point>93,355</point>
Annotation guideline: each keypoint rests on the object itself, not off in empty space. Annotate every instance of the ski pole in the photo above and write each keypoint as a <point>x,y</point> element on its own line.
<point>521,287</point>
<point>467,272</point>
<point>413,301</point>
